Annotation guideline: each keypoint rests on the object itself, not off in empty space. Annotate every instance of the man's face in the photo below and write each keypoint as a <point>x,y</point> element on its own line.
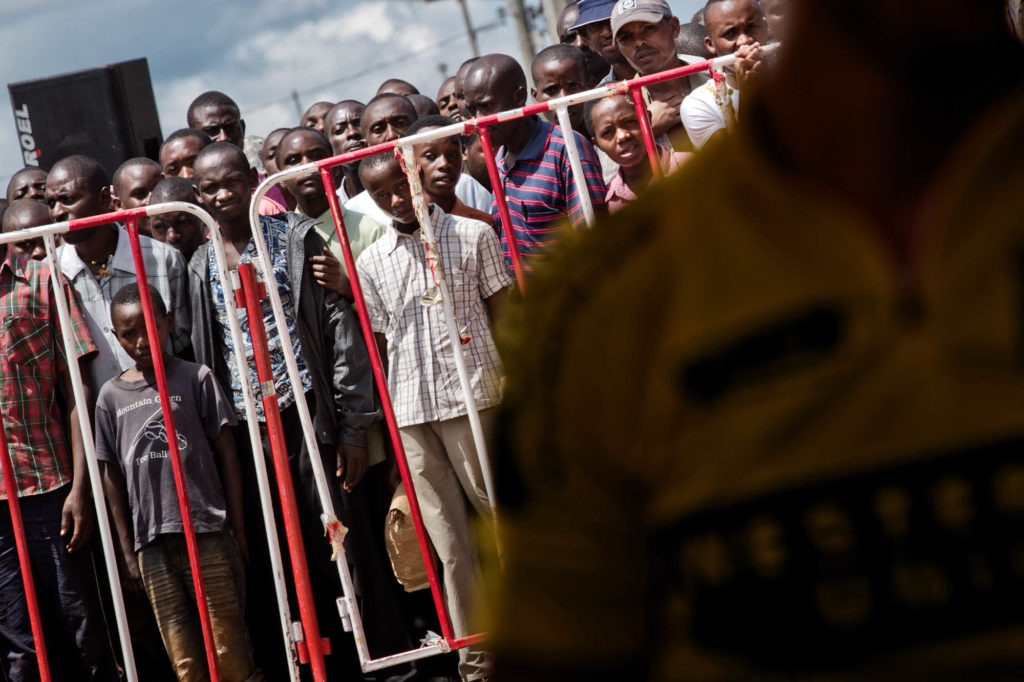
<point>440,165</point>
<point>389,189</point>
<point>295,150</point>
<point>484,98</point>
<point>447,102</point>
<point>344,128</point>
<point>130,329</point>
<point>224,187</point>
<point>222,123</point>
<point>23,220</point>
<point>178,156</point>
<point>268,155</point>
<point>135,185</point>
<point>598,37</point>
<point>314,116</point>
<point>475,164</point>
<point>181,230</point>
<point>732,24</point>
<point>617,131</point>
<point>30,183</point>
<point>460,86</point>
<point>649,47</point>
<point>387,119</point>
<point>558,78</point>
<point>69,197</point>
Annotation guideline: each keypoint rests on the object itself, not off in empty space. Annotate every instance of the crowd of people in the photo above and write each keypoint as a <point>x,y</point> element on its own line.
<point>213,162</point>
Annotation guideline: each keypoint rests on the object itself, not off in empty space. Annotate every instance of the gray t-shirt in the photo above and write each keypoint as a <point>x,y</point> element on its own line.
<point>130,431</point>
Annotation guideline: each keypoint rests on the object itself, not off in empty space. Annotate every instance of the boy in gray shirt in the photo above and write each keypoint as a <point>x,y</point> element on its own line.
<point>131,441</point>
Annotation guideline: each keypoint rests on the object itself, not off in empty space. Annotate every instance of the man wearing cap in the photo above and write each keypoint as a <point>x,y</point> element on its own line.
<point>645,32</point>
<point>594,27</point>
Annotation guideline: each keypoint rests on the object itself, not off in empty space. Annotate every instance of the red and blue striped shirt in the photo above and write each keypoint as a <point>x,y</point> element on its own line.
<point>541,191</point>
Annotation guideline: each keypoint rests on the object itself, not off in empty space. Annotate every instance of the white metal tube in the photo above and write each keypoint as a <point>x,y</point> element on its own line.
<point>84,423</point>
<point>576,164</point>
<point>329,517</point>
<point>454,338</point>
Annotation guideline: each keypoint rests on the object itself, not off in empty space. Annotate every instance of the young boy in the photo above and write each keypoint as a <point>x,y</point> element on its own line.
<point>131,441</point>
<point>183,231</point>
<point>559,70</point>
<point>440,163</point>
<point>427,396</point>
<point>22,215</point>
<point>615,130</point>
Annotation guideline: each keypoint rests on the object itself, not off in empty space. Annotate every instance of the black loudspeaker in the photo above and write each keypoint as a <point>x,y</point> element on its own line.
<point>108,113</point>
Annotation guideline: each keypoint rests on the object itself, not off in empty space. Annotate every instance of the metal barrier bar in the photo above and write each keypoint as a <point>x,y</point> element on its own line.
<point>166,406</point>
<point>646,130</point>
<point>21,543</point>
<point>389,410</point>
<point>577,166</point>
<point>347,604</point>
<point>499,199</point>
<point>249,297</point>
<point>47,233</point>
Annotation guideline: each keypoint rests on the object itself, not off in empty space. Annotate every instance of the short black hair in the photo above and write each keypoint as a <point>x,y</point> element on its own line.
<point>180,133</point>
<point>86,169</point>
<point>374,162</point>
<point>173,189</point>
<point>223,148</point>
<point>691,40</point>
<point>423,105</point>
<point>432,121</point>
<point>588,108</point>
<point>129,294</point>
<point>398,81</point>
<point>305,130</point>
<point>210,98</point>
<point>556,53</point>
<point>19,207</point>
<point>136,161</point>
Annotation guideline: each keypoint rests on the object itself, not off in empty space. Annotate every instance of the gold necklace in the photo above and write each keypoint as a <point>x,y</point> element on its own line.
<point>103,271</point>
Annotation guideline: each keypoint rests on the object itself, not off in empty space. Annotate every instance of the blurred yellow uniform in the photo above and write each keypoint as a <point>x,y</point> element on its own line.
<point>739,439</point>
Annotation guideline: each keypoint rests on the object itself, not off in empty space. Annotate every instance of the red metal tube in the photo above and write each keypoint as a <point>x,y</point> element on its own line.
<point>285,489</point>
<point>499,198</point>
<point>645,129</point>
<point>172,444</point>
<point>389,410</point>
<point>18,526</point>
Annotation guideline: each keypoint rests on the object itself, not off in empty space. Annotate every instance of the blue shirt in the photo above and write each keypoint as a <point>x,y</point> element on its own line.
<point>541,191</point>
<point>275,234</point>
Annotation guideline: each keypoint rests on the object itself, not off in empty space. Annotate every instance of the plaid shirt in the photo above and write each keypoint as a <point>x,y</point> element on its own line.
<point>31,361</point>
<point>422,377</point>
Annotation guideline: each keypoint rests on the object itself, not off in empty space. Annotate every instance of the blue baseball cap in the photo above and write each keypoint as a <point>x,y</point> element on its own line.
<point>593,11</point>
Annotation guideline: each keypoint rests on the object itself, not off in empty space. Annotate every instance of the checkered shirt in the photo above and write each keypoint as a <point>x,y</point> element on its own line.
<point>422,378</point>
<point>32,359</point>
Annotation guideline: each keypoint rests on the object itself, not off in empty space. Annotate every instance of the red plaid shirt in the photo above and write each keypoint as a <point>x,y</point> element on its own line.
<point>31,362</point>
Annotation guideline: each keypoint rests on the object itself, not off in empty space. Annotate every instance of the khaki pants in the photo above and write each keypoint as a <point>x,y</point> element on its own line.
<point>446,471</point>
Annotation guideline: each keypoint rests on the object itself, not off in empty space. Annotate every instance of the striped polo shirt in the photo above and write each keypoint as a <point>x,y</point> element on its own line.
<point>541,191</point>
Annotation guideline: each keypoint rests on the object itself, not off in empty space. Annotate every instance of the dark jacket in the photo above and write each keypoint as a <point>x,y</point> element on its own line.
<point>332,345</point>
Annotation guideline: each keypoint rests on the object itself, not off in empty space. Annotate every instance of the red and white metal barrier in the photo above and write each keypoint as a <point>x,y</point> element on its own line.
<point>291,633</point>
<point>347,604</point>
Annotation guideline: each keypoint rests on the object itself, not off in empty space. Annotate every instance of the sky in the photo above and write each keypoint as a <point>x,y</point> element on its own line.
<point>258,51</point>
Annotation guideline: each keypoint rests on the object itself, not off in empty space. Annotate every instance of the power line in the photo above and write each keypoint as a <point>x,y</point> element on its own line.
<point>371,69</point>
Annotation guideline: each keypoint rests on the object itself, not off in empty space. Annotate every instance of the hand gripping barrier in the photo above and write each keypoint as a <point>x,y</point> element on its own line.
<point>347,604</point>
<point>130,218</point>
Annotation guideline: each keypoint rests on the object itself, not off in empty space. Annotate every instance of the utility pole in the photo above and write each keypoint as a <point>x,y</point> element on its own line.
<point>518,13</point>
<point>470,31</point>
<point>552,8</point>
<point>298,104</point>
